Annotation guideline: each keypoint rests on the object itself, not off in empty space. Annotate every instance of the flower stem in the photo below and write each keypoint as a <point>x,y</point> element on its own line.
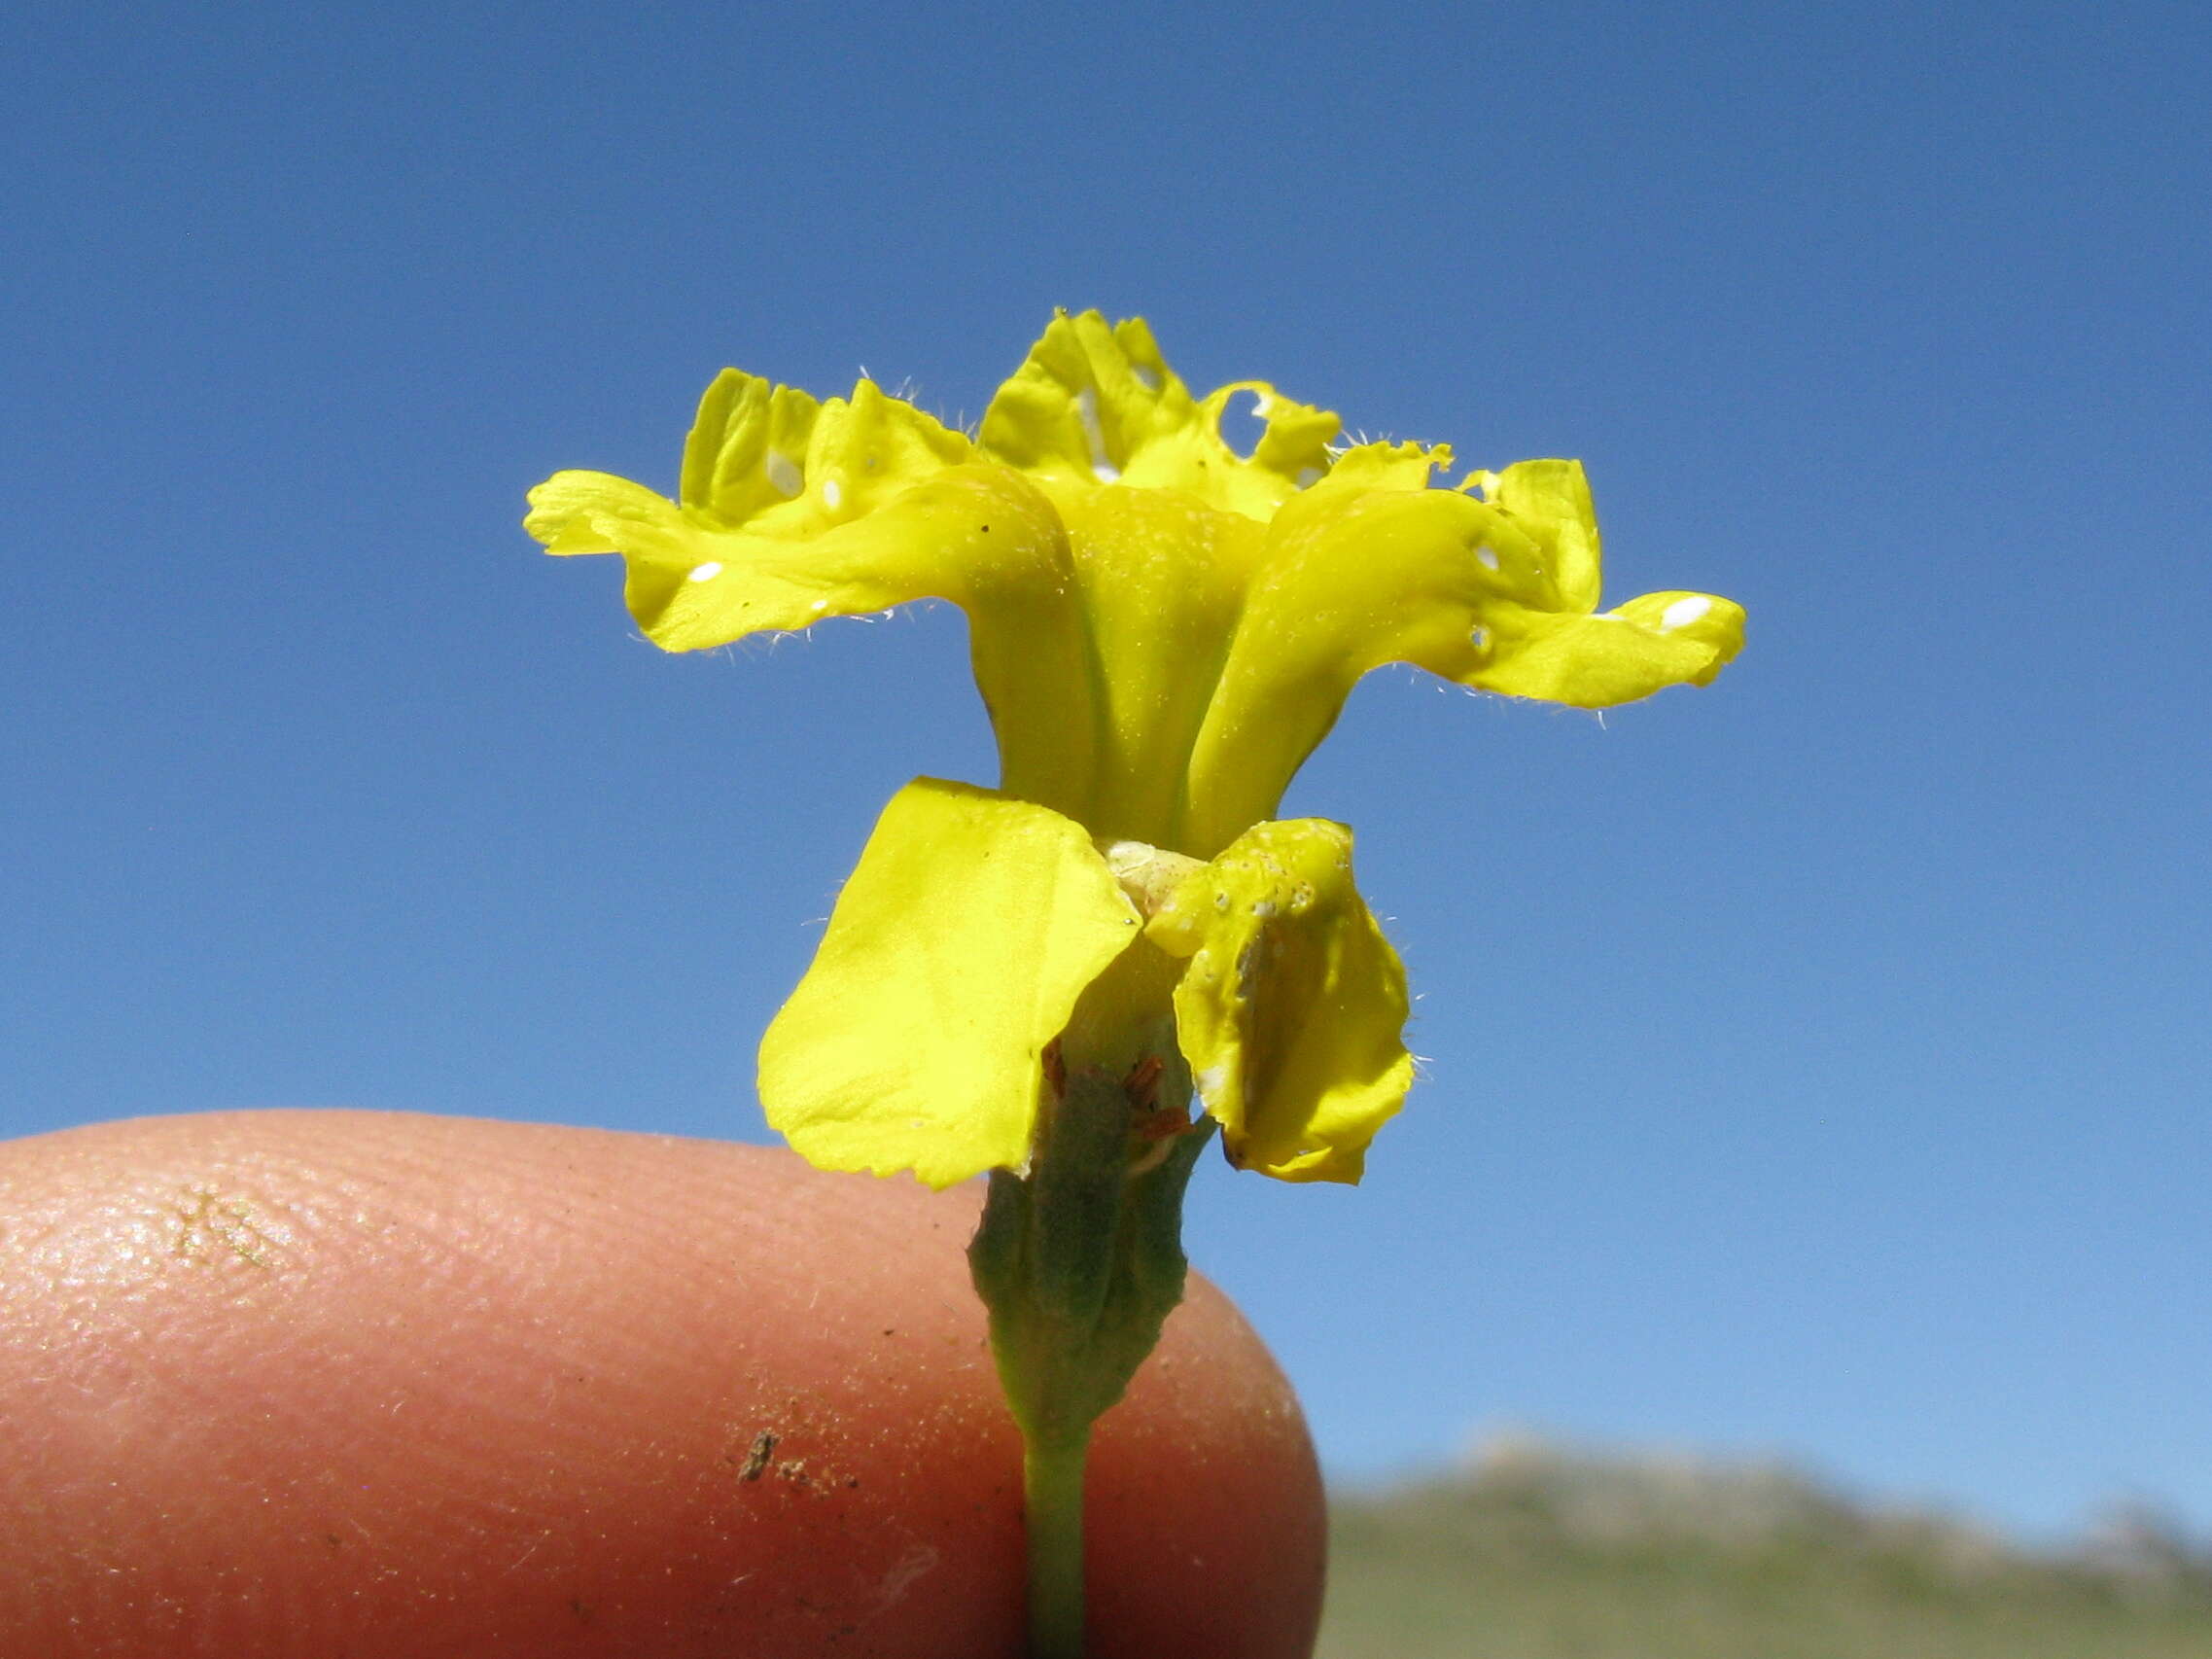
<point>1052,1496</point>
<point>1079,1260</point>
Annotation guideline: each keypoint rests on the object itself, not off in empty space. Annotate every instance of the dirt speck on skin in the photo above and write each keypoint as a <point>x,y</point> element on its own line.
<point>756,1459</point>
<point>210,1225</point>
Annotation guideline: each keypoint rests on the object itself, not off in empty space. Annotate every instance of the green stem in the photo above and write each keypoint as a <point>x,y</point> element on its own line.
<point>1052,1496</point>
<point>1079,1260</point>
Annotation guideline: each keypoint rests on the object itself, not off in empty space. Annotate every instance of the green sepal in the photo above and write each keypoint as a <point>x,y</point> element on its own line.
<point>1079,1261</point>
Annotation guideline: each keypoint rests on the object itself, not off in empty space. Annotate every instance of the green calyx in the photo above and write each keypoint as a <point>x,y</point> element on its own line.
<point>1080,1260</point>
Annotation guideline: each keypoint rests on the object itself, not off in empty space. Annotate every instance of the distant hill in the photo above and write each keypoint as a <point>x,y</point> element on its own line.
<point>1537,1552</point>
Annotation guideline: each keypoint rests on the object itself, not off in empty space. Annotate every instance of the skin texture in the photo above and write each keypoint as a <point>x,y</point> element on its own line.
<point>356,1385</point>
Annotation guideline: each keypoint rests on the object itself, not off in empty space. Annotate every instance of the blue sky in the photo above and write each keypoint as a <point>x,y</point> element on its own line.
<point>1817,1062</point>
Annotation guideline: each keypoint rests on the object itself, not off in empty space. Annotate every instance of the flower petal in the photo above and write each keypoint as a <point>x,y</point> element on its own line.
<point>1292,1010</point>
<point>597,513</point>
<point>771,458</point>
<point>1397,466</point>
<point>1159,578</point>
<point>1549,502</point>
<point>1097,405</point>
<point>1350,579</point>
<point>955,955</point>
<point>1492,593</point>
<point>794,511</point>
<point>747,448</point>
<point>1617,656</point>
<point>967,531</point>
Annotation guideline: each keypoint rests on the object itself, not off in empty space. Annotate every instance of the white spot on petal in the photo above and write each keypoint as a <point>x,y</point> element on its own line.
<point>1093,434</point>
<point>832,494</point>
<point>783,472</point>
<point>1308,477</point>
<point>1683,611</point>
<point>706,572</point>
<point>1263,908</point>
<point>1486,558</point>
<point>1148,377</point>
<point>1209,1083</point>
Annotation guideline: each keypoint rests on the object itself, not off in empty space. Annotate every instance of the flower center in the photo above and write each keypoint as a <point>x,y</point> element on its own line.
<point>1159,580</point>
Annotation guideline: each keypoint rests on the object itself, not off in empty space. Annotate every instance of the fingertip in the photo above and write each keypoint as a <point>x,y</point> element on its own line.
<point>1207,1529</point>
<point>438,1386</point>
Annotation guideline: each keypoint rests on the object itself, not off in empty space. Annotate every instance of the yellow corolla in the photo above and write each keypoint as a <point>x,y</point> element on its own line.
<point>1162,630</point>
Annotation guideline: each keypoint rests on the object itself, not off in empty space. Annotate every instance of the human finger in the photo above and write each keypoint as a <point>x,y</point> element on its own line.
<point>292,1384</point>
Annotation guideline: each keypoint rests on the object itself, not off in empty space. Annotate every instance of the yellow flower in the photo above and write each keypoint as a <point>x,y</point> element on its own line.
<point>1162,630</point>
